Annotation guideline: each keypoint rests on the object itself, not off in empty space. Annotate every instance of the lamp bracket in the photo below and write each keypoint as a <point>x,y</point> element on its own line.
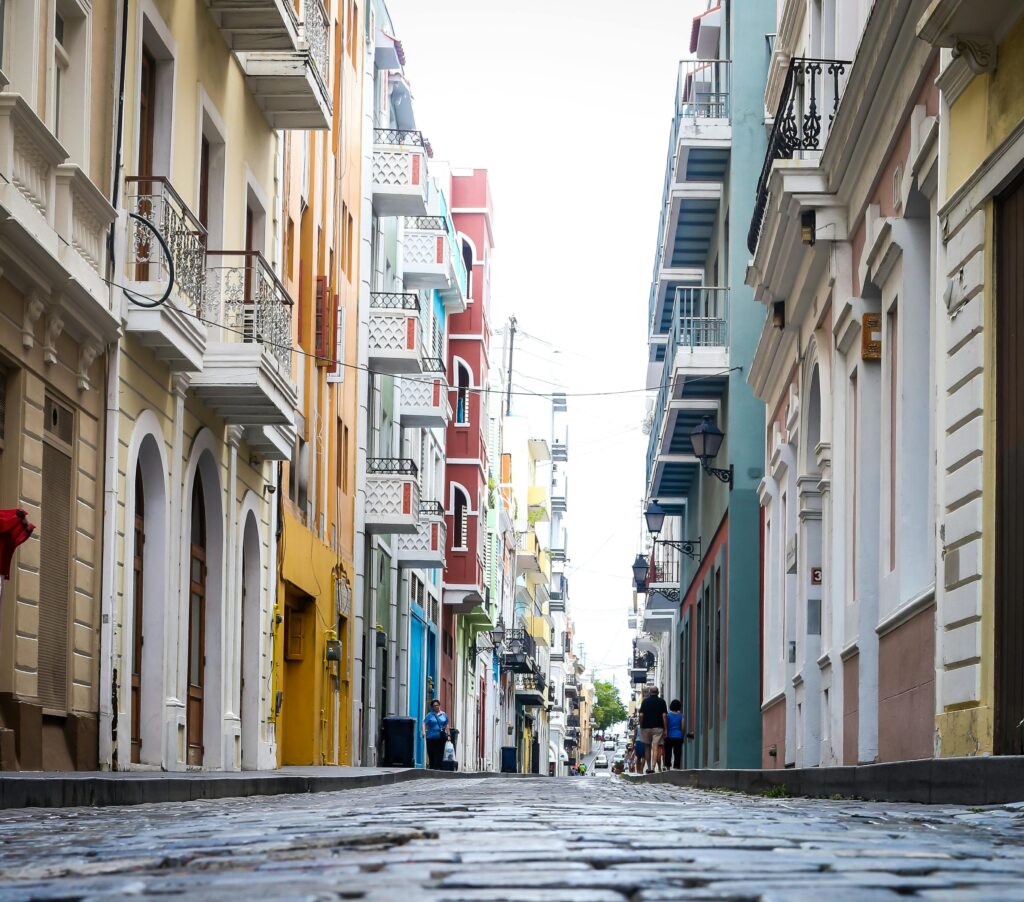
<point>689,547</point>
<point>722,475</point>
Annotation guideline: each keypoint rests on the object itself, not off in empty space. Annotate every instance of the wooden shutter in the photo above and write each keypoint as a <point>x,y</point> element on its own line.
<point>295,629</point>
<point>323,321</point>
<point>54,577</point>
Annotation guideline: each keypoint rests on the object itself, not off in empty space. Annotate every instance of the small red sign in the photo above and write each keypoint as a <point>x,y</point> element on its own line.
<point>815,576</point>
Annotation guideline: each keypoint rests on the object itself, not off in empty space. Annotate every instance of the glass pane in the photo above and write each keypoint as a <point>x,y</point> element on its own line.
<point>197,570</point>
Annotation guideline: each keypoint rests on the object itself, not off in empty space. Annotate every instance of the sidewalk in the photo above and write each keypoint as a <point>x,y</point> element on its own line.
<point>995,780</point>
<point>48,789</point>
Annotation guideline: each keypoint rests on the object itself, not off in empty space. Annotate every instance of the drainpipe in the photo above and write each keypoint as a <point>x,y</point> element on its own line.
<point>108,691</point>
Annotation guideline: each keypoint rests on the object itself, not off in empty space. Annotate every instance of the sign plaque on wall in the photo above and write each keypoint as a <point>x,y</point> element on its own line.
<point>815,576</point>
<point>871,337</point>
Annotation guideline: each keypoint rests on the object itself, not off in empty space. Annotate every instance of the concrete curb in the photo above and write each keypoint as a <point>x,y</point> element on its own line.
<point>40,790</point>
<point>935,781</point>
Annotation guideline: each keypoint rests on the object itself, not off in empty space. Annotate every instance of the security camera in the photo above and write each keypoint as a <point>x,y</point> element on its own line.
<point>269,488</point>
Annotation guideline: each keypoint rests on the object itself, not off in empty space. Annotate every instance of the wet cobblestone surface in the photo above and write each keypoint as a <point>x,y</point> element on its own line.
<point>531,838</point>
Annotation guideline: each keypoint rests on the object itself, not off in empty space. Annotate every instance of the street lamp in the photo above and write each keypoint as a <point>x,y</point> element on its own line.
<point>655,517</point>
<point>498,633</point>
<point>640,571</point>
<point>707,440</point>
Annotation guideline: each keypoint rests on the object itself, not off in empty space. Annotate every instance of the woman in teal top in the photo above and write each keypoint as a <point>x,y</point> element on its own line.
<point>435,731</point>
<point>674,735</point>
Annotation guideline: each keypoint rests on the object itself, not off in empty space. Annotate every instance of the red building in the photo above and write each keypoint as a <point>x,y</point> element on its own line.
<point>466,465</point>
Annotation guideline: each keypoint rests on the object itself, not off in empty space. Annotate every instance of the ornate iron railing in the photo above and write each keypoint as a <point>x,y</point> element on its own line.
<point>248,301</point>
<point>703,89</point>
<point>519,641</point>
<point>399,136</point>
<point>318,33</point>
<point>394,300</point>
<point>154,199</point>
<point>573,720</point>
<point>427,223</point>
<point>812,86</point>
<point>431,509</point>
<point>665,566</point>
<point>391,466</point>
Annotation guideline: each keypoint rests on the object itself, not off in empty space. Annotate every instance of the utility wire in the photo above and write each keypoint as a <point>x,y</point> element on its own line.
<point>479,390</point>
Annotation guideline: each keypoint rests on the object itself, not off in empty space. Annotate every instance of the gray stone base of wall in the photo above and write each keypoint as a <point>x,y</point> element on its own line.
<point>938,781</point>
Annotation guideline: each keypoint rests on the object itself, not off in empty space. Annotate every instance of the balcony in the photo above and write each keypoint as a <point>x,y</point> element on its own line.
<point>518,652</point>
<point>395,340</point>
<point>55,221</point>
<point>425,400</point>
<point>246,374</point>
<point>392,496</point>
<point>537,504</point>
<point>292,86</point>
<point>694,379</point>
<point>528,553</point>
<point>559,505</point>
<point>530,689</point>
<point>399,172</point>
<point>173,331</point>
<point>807,106</point>
<point>425,547</point>
<point>426,252</point>
<point>256,25</point>
<point>572,686</point>
<point>540,628</point>
<point>560,451</point>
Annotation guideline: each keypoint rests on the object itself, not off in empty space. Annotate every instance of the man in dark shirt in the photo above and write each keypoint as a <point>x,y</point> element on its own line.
<point>653,720</point>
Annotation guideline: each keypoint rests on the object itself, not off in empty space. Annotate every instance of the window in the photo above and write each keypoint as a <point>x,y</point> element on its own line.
<point>62,63</point>
<point>323,323</point>
<point>461,520</point>
<point>342,452</point>
<point>852,444</point>
<point>350,229</point>
<point>344,239</point>
<point>462,396</point>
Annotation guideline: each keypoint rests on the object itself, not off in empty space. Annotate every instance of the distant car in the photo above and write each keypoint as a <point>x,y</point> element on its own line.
<point>601,760</point>
<point>609,745</point>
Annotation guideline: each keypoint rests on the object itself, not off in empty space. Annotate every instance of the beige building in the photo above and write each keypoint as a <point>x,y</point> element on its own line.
<point>57,317</point>
<point>203,400</point>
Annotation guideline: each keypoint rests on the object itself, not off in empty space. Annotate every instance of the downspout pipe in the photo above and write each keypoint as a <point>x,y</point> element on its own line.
<point>109,640</point>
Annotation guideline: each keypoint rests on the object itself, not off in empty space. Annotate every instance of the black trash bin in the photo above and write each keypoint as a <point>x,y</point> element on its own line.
<point>399,742</point>
<point>509,762</point>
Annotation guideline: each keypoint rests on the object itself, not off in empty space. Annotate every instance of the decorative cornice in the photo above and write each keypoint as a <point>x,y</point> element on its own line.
<point>978,50</point>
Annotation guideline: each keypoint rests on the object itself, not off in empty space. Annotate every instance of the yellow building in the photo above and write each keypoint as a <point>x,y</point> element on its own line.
<point>204,400</point>
<point>57,317</point>
<point>980,633</point>
<point>321,226</point>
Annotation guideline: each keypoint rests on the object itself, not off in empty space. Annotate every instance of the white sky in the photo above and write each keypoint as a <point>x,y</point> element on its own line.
<point>567,103</point>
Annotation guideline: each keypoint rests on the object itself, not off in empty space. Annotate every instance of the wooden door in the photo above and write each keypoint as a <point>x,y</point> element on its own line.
<point>196,627</point>
<point>1009,586</point>
<point>204,181</point>
<point>137,638</point>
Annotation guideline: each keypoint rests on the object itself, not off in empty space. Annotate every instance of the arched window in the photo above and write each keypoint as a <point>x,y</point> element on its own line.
<point>138,577</point>
<point>467,258</point>
<point>196,625</point>
<point>461,520</point>
<point>463,384</point>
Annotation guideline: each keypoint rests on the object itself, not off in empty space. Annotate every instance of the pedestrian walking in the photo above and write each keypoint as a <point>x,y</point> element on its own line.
<point>435,731</point>
<point>674,736</point>
<point>653,721</point>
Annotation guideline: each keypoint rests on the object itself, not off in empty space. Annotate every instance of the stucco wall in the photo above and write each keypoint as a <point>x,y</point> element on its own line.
<point>906,690</point>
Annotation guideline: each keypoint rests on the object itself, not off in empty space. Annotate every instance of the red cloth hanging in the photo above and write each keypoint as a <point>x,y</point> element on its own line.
<point>14,529</point>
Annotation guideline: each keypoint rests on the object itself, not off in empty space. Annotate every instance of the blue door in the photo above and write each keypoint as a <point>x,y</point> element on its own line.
<point>417,677</point>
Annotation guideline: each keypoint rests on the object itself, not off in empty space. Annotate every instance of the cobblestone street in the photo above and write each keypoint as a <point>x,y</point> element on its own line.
<point>528,838</point>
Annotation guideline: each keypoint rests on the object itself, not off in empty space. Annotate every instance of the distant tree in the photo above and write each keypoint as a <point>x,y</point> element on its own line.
<point>608,707</point>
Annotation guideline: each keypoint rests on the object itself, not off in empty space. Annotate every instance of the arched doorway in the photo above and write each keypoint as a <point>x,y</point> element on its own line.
<point>250,651</point>
<point>138,583</point>
<point>196,626</point>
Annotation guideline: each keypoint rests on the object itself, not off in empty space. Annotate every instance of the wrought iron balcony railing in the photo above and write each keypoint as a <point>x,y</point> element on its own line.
<point>394,300</point>
<point>807,106</point>
<point>391,466</point>
<point>318,31</point>
<point>249,303</point>
<point>434,365</point>
<point>703,89</point>
<point>427,223</point>
<point>431,509</point>
<point>154,199</point>
<point>665,566</point>
<point>399,136</point>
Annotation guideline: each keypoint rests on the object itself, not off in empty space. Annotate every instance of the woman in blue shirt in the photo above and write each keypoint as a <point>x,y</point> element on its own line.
<point>674,735</point>
<point>435,731</point>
